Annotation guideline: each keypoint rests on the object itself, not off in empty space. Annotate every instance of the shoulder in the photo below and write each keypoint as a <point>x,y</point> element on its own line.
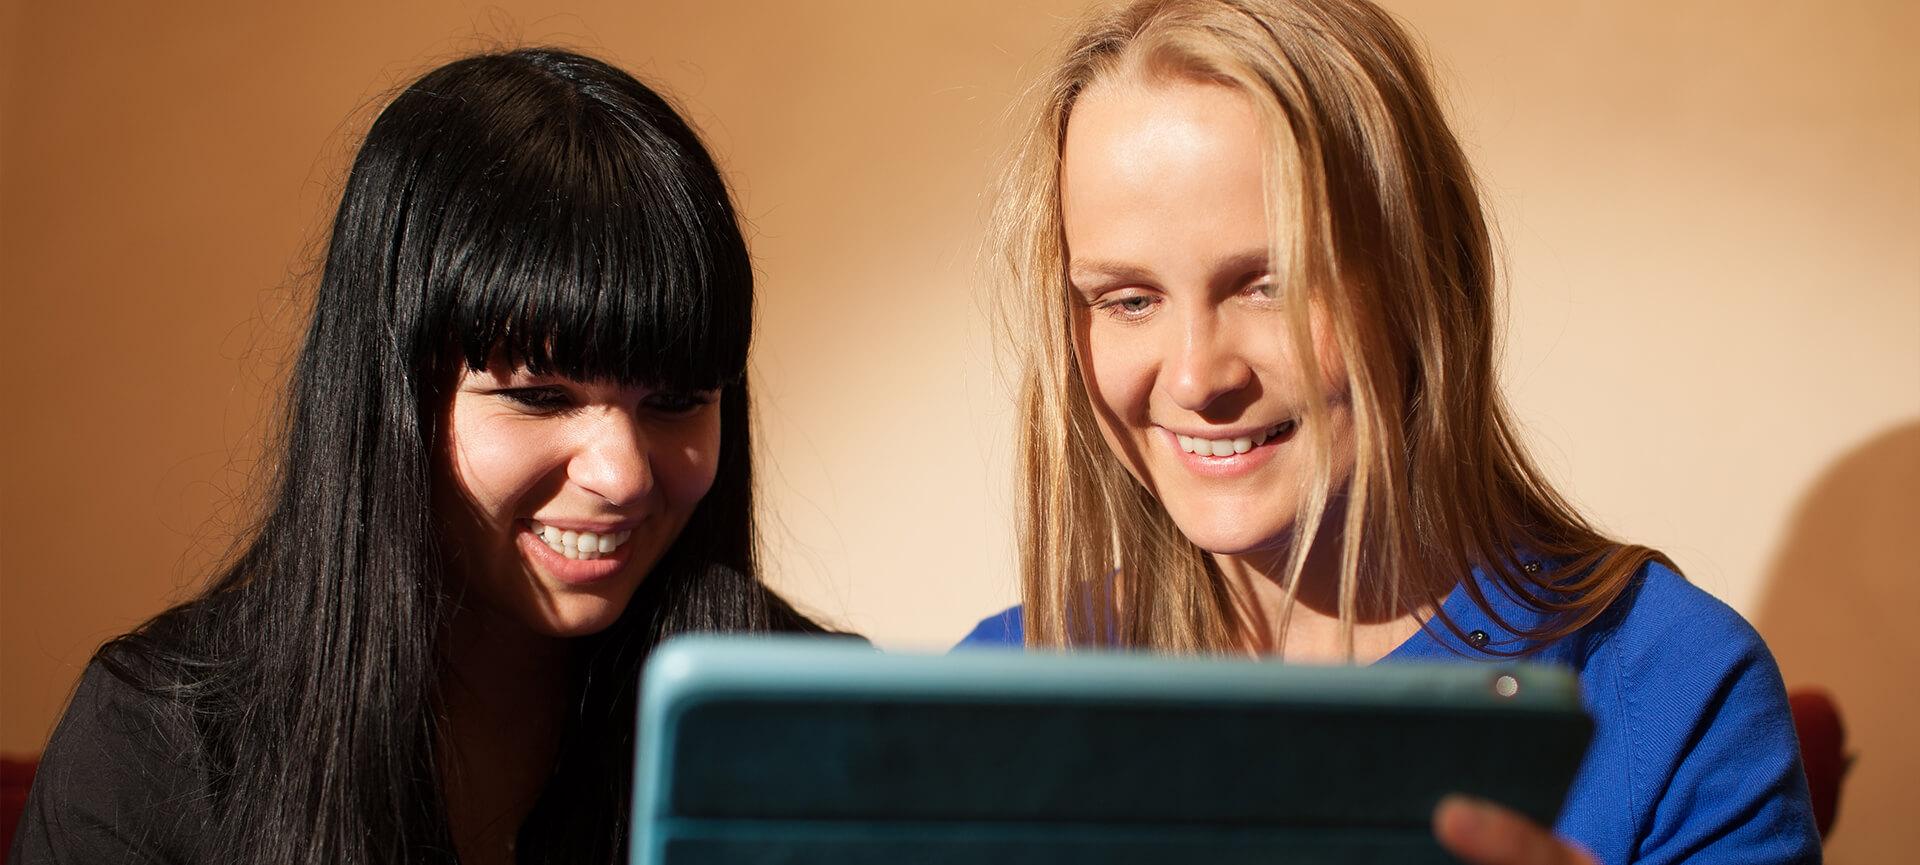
<point>120,780</point>
<point>1000,629</point>
<point>1662,614</point>
<point>1692,725</point>
<point>1668,635</point>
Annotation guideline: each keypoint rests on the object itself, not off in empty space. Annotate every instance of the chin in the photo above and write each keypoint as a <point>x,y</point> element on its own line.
<point>576,617</point>
<point>1233,532</point>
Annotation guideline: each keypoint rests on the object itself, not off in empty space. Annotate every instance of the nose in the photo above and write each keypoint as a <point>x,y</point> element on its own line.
<point>614,461</point>
<point>1205,363</point>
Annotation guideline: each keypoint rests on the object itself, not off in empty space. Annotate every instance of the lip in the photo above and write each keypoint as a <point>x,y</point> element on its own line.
<point>1233,466</point>
<point>1229,433</point>
<point>572,572</point>
<point>596,527</point>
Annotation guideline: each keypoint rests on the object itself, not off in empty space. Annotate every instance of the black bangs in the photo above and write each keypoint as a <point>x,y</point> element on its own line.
<point>533,207</point>
<point>581,230</point>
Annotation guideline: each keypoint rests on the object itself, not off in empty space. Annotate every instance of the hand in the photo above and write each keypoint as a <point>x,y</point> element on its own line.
<point>1482,833</point>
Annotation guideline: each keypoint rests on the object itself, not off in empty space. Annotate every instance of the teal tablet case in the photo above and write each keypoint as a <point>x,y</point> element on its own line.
<point>801,751</point>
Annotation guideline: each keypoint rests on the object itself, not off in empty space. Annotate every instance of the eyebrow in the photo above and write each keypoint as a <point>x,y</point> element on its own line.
<point>1092,276</point>
<point>1088,275</point>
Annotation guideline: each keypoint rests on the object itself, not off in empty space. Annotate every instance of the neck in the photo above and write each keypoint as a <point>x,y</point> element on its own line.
<point>489,653</point>
<point>1307,626</point>
<point>504,698</point>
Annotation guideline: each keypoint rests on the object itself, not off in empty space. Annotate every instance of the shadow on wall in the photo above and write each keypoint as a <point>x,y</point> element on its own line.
<point>1840,613</point>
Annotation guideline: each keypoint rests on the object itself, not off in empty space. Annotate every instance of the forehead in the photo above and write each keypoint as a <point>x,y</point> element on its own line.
<point>1162,175</point>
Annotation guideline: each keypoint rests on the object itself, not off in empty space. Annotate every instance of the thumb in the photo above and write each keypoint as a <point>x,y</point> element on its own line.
<point>1482,833</point>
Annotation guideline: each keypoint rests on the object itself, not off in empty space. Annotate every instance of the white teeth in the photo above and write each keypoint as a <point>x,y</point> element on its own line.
<point>583,546</point>
<point>1229,447</point>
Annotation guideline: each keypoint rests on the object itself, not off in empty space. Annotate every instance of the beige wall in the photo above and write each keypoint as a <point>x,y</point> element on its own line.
<point>1710,212</point>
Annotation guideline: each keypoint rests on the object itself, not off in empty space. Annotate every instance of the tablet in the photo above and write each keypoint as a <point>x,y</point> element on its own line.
<point>800,751</point>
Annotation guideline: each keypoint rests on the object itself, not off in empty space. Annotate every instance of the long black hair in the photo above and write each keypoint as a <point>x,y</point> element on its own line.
<point>537,205</point>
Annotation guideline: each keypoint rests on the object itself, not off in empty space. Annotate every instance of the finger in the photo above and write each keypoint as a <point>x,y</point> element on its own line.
<point>1483,833</point>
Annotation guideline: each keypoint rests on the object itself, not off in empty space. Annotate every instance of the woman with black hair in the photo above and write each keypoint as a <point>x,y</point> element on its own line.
<point>514,457</point>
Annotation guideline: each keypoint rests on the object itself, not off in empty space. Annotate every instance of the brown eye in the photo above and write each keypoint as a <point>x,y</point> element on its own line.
<point>537,399</point>
<point>673,402</point>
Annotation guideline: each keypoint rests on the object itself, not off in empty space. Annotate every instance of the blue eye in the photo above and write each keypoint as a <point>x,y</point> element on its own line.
<point>1128,307</point>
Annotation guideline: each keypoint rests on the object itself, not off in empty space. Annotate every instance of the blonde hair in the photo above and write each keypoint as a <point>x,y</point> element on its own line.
<point>1374,208</point>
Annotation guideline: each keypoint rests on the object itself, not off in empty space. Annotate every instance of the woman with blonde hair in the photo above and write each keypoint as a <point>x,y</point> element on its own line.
<point>1254,301</point>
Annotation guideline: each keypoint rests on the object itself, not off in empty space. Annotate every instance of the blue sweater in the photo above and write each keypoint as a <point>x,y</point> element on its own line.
<point>1693,758</point>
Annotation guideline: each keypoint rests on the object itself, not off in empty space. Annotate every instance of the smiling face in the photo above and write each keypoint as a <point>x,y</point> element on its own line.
<point>1181,329</point>
<point>558,496</point>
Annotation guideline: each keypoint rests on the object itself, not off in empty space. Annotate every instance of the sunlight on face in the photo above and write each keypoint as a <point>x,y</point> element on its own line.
<point>1181,328</point>
<point>558,496</point>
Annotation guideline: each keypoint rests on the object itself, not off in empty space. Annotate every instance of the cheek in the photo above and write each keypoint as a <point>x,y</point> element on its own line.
<point>1117,372</point>
<point>688,458</point>
<point>1326,351</point>
<point>1336,391</point>
<point>484,470</point>
<point>479,465</point>
<point>1118,381</point>
<point>493,465</point>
